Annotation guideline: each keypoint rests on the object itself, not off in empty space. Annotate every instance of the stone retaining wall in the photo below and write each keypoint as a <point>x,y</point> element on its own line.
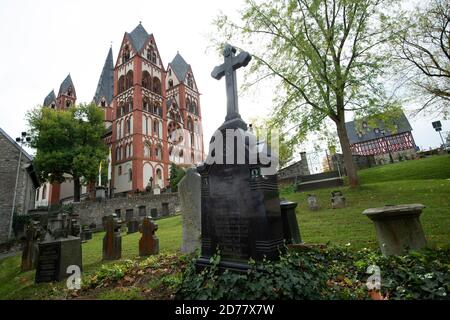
<point>137,206</point>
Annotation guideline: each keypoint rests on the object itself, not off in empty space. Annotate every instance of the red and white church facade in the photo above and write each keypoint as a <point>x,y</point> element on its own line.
<point>152,115</point>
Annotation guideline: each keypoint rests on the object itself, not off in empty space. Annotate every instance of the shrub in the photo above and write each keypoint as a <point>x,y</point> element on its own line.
<point>324,273</point>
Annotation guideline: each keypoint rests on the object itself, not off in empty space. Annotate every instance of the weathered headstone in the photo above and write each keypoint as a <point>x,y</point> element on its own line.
<point>291,230</point>
<point>189,193</point>
<point>240,208</point>
<point>112,241</point>
<point>398,227</point>
<point>30,251</point>
<point>149,242</point>
<point>313,202</point>
<point>58,251</point>
<point>132,225</point>
<point>337,200</point>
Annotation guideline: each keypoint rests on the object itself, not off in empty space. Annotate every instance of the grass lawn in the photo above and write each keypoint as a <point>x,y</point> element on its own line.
<point>425,181</point>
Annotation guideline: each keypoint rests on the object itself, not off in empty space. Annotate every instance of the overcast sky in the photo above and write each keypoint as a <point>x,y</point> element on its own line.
<point>43,41</point>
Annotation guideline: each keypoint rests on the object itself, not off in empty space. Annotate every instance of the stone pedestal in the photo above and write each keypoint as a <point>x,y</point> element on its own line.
<point>156,191</point>
<point>55,256</point>
<point>189,193</point>
<point>290,225</point>
<point>149,242</point>
<point>398,227</point>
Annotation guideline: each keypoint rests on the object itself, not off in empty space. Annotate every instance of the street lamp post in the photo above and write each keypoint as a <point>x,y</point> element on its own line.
<point>21,139</point>
<point>383,133</point>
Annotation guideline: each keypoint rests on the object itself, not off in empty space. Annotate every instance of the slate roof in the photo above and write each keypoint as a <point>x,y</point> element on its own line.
<point>402,124</point>
<point>138,37</point>
<point>65,85</point>
<point>15,144</point>
<point>49,99</point>
<point>105,87</point>
<point>180,67</point>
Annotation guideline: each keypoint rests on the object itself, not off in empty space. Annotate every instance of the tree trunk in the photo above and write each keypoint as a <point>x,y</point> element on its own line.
<point>76,189</point>
<point>349,164</point>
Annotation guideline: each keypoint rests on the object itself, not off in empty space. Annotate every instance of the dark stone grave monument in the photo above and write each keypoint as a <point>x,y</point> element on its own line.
<point>30,253</point>
<point>290,225</point>
<point>132,225</point>
<point>240,207</point>
<point>58,251</point>
<point>149,242</point>
<point>112,241</point>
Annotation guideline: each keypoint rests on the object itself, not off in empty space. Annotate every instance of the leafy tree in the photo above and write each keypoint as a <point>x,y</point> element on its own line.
<point>423,45</point>
<point>286,147</point>
<point>68,142</point>
<point>176,174</point>
<point>328,56</point>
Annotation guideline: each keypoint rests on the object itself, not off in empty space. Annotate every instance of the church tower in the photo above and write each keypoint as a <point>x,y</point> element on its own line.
<point>104,94</point>
<point>183,111</point>
<point>66,95</point>
<point>140,114</point>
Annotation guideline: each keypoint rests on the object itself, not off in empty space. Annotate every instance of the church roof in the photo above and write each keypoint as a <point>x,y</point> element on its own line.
<point>105,85</point>
<point>65,85</point>
<point>49,98</point>
<point>138,37</point>
<point>15,144</point>
<point>180,67</point>
<point>401,123</point>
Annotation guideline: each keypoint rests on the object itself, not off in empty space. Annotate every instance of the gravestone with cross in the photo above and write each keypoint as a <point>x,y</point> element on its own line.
<point>240,207</point>
<point>149,242</point>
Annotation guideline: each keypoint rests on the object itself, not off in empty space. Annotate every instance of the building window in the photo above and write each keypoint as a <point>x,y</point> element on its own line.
<point>170,83</point>
<point>128,126</point>
<point>146,80</point>
<point>68,103</point>
<point>156,128</point>
<point>120,170</point>
<point>129,80</point>
<point>53,105</point>
<point>44,192</point>
<point>121,85</point>
<point>130,174</point>
<point>125,54</point>
<point>156,85</point>
<point>190,83</point>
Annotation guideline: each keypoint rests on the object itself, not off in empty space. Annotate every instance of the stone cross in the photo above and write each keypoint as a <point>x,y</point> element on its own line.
<point>228,69</point>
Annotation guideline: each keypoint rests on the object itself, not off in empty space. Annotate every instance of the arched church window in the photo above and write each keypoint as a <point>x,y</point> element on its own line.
<point>130,174</point>
<point>121,85</point>
<point>170,83</point>
<point>128,125</point>
<point>146,80</point>
<point>194,107</point>
<point>103,102</point>
<point>130,105</point>
<point>156,85</point>
<point>158,177</point>
<point>129,80</point>
<point>52,105</point>
<point>44,192</point>
<point>68,103</point>
<point>69,91</point>
<point>156,127</point>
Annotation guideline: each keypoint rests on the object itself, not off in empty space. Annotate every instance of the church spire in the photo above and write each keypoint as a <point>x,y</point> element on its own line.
<point>105,87</point>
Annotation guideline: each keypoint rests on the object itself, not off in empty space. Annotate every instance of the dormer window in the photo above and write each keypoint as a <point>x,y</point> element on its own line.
<point>52,105</point>
<point>69,92</point>
<point>170,83</point>
<point>103,102</point>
